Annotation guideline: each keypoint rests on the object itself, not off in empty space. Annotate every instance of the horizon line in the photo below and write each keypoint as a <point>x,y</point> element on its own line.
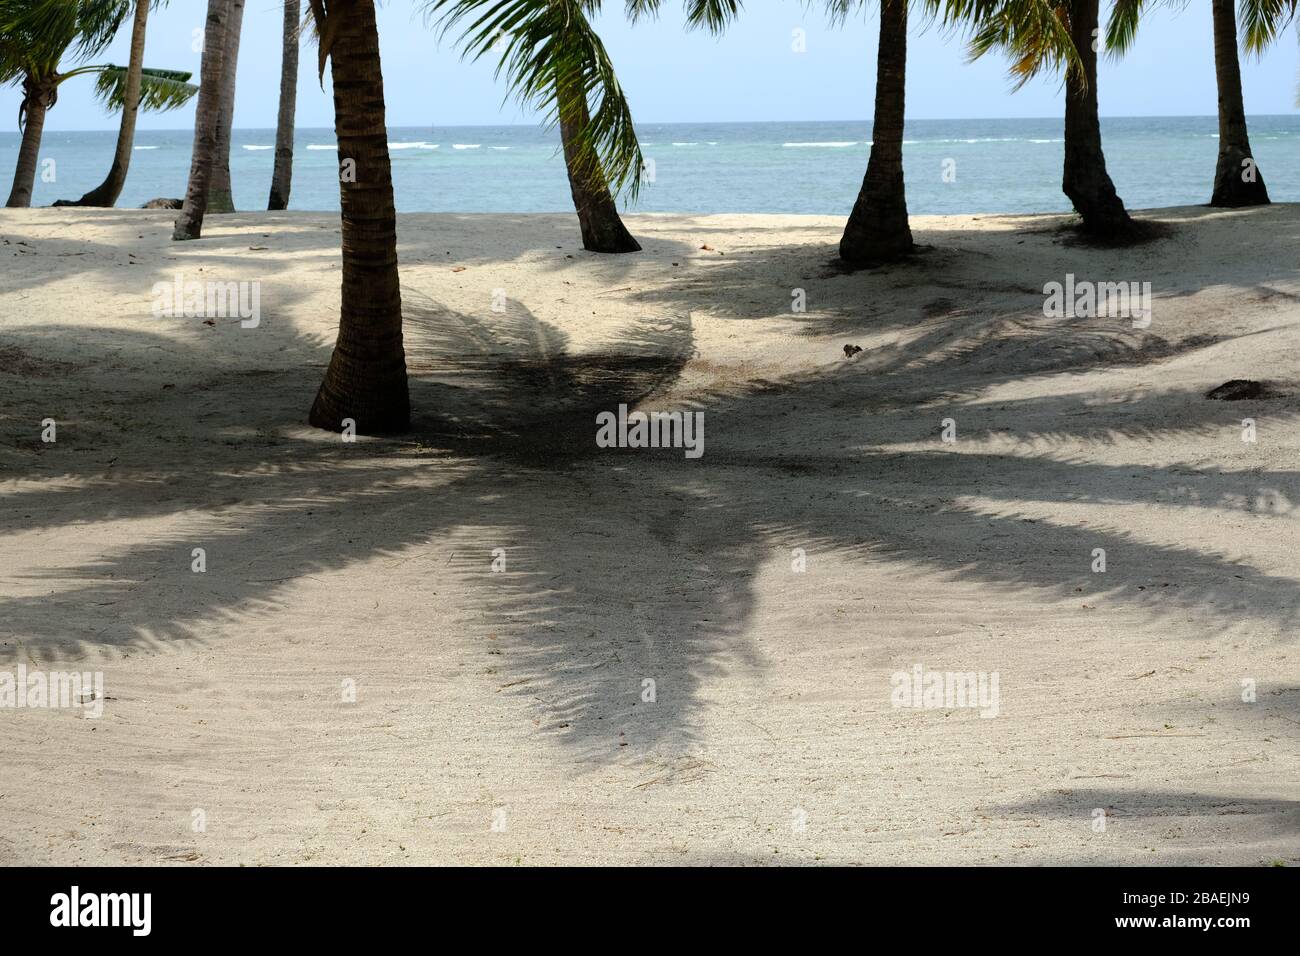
<point>542,124</point>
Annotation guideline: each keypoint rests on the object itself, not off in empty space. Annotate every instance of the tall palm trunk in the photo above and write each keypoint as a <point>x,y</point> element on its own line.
<point>189,225</point>
<point>602,229</point>
<point>1237,181</point>
<point>220,198</point>
<point>877,230</point>
<point>1085,180</point>
<point>107,192</point>
<point>282,176</point>
<point>366,378</point>
<point>39,94</point>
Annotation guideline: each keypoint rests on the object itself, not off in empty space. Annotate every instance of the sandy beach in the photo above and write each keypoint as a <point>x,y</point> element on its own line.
<point>435,649</point>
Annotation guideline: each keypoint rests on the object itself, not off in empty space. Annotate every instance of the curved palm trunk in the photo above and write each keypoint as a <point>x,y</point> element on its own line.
<point>189,225</point>
<point>366,378</point>
<point>220,197</point>
<point>107,192</point>
<point>1237,182</point>
<point>1085,180</point>
<point>38,97</point>
<point>602,229</point>
<point>877,230</point>
<point>283,173</point>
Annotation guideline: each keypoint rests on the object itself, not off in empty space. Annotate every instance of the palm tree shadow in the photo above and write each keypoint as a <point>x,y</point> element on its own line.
<point>512,386</point>
<point>616,583</point>
<point>1263,816</point>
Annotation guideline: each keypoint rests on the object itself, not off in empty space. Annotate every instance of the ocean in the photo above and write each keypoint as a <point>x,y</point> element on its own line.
<point>994,165</point>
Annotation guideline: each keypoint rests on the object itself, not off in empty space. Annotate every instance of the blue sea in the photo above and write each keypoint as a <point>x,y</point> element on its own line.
<point>998,165</point>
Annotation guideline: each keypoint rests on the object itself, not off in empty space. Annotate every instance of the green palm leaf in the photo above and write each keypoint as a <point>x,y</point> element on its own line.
<point>713,15</point>
<point>1262,21</point>
<point>1121,29</point>
<point>160,90</point>
<point>1035,34</point>
<point>544,46</point>
<point>51,27</point>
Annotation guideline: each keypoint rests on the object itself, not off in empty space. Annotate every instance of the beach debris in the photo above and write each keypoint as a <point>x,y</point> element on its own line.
<point>851,350</point>
<point>1237,390</point>
<point>164,204</point>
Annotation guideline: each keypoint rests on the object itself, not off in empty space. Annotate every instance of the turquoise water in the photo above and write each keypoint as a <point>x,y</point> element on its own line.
<point>1001,165</point>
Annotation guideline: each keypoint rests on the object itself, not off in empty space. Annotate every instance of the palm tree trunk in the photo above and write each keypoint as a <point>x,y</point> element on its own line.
<point>220,198</point>
<point>107,192</point>
<point>189,225</point>
<point>1237,181</point>
<point>1085,180</point>
<point>366,378</point>
<point>877,230</point>
<point>282,177</point>
<point>38,97</point>
<point>602,228</point>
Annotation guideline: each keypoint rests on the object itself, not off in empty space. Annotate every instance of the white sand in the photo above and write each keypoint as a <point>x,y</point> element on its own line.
<point>522,690</point>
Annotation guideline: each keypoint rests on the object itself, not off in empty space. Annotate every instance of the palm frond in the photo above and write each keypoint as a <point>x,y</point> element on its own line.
<point>1263,21</point>
<point>1121,29</point>
<point>160,90</point>
<point>52,27</point>
<point>324,27</point>
<point>838,11</point>
<point>1034,34</point>
<point>542,48</point>
<point>713,15</point>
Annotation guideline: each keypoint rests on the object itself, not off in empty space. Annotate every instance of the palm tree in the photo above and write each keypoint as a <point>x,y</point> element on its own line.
<point>220,197</point>
<point>877,230</point>
<point>34,39</point>
<point>556,62</point>
<point>282,176</point>
<point>189,224</point>
<point>1237,180</point>
<point>366,377</point>
<point>1085,180</point>
<point>106,193</point>
<point>1061,35</point>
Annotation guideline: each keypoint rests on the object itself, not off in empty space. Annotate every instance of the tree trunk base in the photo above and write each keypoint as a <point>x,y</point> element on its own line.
<point>1100,208</point>
<point>1232,188</point>
<point>220,203</point>
<point>877,232</point>
<point>100,198</point>
<point>1108,225</point>
<point>877,248</point>
<point>381,414</point>
<point>613,237</point>
<point>602,227</point>
<point>187,228</point>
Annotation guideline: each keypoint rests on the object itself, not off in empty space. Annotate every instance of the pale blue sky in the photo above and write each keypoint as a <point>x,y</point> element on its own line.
<point>751,74</point>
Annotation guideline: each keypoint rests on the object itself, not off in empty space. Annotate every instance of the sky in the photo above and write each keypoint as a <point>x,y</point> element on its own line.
<point>752,73</point>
